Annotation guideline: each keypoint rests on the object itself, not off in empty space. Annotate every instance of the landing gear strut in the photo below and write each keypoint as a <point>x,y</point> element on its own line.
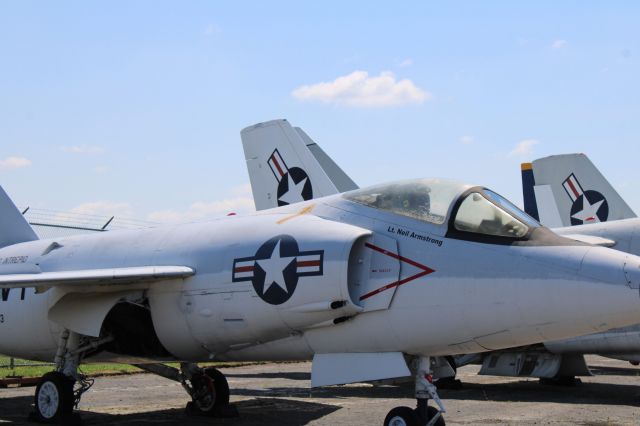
<point>208,388</point>
<point>423,414</point>
<point>59,391</point>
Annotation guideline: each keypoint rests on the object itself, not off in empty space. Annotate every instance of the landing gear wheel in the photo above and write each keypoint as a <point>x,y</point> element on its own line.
<point>211,396</point>
<point>54,398</point>
<point>431,413</point>
<point>401,416</point>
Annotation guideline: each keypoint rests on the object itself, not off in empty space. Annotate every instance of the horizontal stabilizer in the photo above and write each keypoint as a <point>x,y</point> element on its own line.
<point>342,368</point>
<point>98,277</point>
<point>14,228</point>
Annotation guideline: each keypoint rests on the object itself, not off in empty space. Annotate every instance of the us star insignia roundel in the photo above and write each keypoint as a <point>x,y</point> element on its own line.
<point>276,268</point>
<point>588,206</point>
<point>294,184</point>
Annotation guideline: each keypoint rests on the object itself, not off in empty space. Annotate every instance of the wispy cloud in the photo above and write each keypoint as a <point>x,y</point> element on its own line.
<point>559,44</point>
<point>83,149</point>
<point>14,163</point>
<point>524,148</point>
<point>406,63</point>
<point>466,140</point>
<point>240,202</point>
<point>104,208</point>
<point>358,89</point>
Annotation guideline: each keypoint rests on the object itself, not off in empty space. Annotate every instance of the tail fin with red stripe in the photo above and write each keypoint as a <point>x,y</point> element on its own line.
<point>566,190</point>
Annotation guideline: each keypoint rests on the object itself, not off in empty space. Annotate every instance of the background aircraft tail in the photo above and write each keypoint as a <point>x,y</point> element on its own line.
<point>567,190</point>
<point>285,166</point>
<point>14,228</point>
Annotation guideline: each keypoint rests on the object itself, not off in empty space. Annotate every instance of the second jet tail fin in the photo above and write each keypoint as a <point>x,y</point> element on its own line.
<point>286,166</point>
<point>566,190</point>
<point>14,228</point>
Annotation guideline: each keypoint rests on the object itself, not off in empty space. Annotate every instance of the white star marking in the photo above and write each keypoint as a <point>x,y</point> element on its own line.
<point>273,268</point>
<point>294,191</point>
<point>589,211</point>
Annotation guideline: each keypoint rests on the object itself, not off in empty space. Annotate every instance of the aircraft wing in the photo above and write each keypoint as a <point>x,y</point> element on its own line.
<point>93,277</point>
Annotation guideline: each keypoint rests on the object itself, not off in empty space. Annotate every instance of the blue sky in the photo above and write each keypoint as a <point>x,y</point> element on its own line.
<point>134,108</point>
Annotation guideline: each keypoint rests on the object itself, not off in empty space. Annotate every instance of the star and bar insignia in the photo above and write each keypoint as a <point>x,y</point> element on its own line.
<point>294,184</point>
<point>276,267</point>
<point>588,206</point>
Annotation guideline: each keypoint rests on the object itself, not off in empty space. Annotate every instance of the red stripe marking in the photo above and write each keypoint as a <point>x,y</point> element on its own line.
<point>425,271</point>
<point>573,188</point>
<point>305,263</point>
<point>243,269</point>
<point>400,258</point>
<point>394,284</point>
<point>275,162</point>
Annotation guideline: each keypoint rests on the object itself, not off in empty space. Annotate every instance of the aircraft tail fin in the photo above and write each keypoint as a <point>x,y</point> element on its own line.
<point>285,166</point>
<point>566,190</point>
<point>14,228</point>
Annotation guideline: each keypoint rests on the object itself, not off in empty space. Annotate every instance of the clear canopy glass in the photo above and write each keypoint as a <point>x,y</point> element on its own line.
<point>423,199</point>
<point>479,214</point>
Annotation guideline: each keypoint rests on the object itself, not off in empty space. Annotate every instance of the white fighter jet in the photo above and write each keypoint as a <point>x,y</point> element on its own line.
<point>372,284</point>
<point>553,361</point>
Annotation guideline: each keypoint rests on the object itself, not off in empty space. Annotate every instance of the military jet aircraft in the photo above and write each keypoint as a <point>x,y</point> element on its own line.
<point>554,361</point>
<point>371,284</point>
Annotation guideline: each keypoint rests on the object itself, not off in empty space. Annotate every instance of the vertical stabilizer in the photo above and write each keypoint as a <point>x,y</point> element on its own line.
<point>14,228</point>
<point>285,166</point>
<point>569,190</point>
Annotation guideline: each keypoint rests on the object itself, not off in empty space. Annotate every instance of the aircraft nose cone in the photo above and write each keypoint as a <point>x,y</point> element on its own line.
<point>632,271</point>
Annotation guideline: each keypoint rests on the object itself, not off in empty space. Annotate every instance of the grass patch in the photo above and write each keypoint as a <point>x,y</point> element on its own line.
<point>102,369</point>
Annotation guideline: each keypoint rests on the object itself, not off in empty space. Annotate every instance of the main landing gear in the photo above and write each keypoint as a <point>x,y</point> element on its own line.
<point>208,388</point>
<point>423,414</point>
<point>59,391</point>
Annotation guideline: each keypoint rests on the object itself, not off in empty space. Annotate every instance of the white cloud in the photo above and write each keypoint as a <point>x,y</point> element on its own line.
<point>241,201</point>
<point>559,44</point>
<point>359,90</point>
<point>524,148</point>
<point>204,210</point>
<point>466,140</point>
<point>14,163</point>
<point>406,63</point>
<point>83,149</point>
<point>104,208</point>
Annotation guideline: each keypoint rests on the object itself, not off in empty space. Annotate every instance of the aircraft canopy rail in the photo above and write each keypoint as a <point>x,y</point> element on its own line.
<point>428,200</point>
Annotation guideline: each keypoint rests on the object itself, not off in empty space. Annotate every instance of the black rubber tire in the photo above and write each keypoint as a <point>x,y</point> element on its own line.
<point>432,411</point>
<point>220,385</point>
<point>64,387</point>
<point>408,415</point>
<point>221,390</point>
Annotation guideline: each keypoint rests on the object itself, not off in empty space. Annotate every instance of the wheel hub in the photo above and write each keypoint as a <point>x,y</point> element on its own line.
<point>397,421</point>
<point>48,400</point>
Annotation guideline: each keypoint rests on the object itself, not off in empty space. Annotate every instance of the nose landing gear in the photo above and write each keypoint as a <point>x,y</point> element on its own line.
<point>423,414</point>
<point>59,391</point>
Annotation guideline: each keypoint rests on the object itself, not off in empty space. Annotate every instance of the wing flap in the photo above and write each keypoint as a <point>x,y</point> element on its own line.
<point>100,277</point>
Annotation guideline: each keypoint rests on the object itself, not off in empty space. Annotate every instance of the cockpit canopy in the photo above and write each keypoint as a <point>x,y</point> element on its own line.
<point>475,210</point>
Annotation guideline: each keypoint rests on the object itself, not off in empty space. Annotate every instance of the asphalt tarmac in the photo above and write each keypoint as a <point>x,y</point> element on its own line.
<point>280,394</point>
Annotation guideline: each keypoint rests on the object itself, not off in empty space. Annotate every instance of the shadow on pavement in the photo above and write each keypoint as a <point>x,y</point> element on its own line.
<point>259,411</point>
